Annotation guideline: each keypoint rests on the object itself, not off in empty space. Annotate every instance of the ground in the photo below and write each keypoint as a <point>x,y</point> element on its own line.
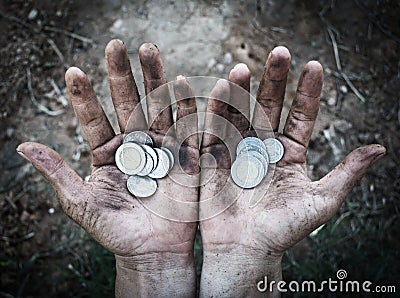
<point>42,252</point>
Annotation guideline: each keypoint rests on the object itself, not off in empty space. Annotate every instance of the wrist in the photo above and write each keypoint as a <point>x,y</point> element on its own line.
<point>239,272</point>
<point>155,275</point>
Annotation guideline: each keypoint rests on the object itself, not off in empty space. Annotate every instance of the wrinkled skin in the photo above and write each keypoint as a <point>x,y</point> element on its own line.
<point>243,244</point>
<point>240,244</point>
<point>103,206</point>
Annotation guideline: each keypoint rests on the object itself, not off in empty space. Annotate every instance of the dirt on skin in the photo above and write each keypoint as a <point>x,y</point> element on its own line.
<point>39,243</point>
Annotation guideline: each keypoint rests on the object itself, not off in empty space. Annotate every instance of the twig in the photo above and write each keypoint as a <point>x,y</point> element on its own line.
<point>26,237</point>
<point>279,29</point>
<point>373,19</point>
<point>60,96</point>
<point>339,96</point>
<point>77,154</point>
<point>56,50</point>
<point>339,67</point>
<point>327,7</point>
<point>70,34</point>
<point>40,33</point>
<point>354,76</point>
<point>76,272</point>
<point>11,203</point>
<point>46,28</point>
<point>14,19</point>
<point>35,102</point>
<point>335,50</point>
<point>257,26</point>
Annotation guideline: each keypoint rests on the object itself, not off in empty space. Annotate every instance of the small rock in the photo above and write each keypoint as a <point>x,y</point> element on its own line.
<point>32,14</point>
<point>220,67</point>
<point>211,63</point>
<point>331,101</point>
<point>343,89</point>
<point>51,211</point>
<point>118,24</point>
<point>332,97</point>
<point>24,216</point>
<point>9,132</point>
<point>328,71</point>
<point>228,58</point>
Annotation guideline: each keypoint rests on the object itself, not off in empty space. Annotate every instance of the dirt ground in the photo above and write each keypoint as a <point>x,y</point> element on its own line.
<point>42,252</point>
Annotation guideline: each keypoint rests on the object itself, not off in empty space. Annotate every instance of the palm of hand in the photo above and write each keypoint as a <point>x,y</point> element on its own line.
<point>103,206</point>
<point>285,214</point>
<point>123,224</point>
<point>291,205</point>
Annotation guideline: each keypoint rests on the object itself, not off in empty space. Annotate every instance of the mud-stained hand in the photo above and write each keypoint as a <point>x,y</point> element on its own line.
<point>243,244</point>
<point>154,256</point>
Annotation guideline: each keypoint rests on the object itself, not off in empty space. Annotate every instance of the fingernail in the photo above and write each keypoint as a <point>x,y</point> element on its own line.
<point>380,152</point>
<point>148,51</point>
<point>20,152</point>
<point>311,79</point>
<point>280,52</point>
<point>241,70</point>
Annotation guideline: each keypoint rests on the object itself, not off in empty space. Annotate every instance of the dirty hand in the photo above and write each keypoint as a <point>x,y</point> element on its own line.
<point>153,254</point>
<point>242,245</point>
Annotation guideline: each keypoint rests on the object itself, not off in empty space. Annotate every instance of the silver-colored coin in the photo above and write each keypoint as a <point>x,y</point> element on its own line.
<point>152,153</point>
<point>170,155</point>
<point>141,187</point>
<point>275,149</point>
<point>254,148</point>
<point>163,165</point>
<point>261,158</point>
<point>138,137</point>
<point>130,158</point>
<point>148,167</point>
<point>249,141</point>
<point>247,171</point>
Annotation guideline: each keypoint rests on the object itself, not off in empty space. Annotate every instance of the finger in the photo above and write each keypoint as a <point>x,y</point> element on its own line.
<point>338,183</point>
<point>238,111</point>
<point>88,110</point>
<point>300,121</point>
<point>158,98</point>
<point>271,92</point>
<point>62,178</point>
<point>124,93</point>
<point>186,113</point>
<point>214,122</point>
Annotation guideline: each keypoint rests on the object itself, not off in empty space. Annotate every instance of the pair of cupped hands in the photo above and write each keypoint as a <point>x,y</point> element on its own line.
<point>154,254</point>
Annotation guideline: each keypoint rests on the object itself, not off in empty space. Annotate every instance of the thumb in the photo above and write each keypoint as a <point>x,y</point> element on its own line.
<point>341,179</point>
<point>65,181</point>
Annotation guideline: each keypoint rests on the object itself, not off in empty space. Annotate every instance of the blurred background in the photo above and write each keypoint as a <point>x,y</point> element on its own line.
<point>43,253</point>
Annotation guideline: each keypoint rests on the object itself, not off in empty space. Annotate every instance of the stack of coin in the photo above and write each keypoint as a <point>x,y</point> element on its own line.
<point>252,159</point>
<point>138,158</point>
